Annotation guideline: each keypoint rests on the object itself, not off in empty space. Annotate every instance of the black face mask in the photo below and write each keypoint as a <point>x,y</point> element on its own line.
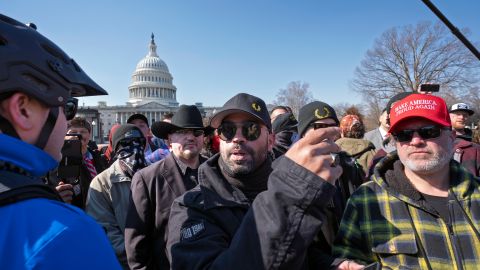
<point>131,156</point>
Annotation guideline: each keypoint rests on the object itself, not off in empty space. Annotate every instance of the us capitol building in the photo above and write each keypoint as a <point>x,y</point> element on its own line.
<point>151,93</point>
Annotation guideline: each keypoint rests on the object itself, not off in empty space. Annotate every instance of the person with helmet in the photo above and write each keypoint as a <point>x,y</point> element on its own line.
<point>37,83</point>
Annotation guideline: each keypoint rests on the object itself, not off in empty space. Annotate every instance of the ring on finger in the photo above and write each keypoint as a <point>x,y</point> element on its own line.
<point>335,159</point>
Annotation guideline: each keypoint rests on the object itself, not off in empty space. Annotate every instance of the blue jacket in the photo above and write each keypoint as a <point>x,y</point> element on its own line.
<point>47,234</point>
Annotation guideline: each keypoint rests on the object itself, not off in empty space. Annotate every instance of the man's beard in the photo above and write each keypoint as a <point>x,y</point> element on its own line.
<point>438,161</point>
<point>239,167</point>
<point>188,154</point>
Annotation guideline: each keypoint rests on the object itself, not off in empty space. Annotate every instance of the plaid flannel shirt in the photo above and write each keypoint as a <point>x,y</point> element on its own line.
<point>381,224</point>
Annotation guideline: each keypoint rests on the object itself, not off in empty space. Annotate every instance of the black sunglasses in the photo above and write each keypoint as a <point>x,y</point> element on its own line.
<point>70,108</point>
<point>129,141</point>
<point>427,132</point>
<point>195,132</point>
<point>322,125</point>
<point>250,130</point>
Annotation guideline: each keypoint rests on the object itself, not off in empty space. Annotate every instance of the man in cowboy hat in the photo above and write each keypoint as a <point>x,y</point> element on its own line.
<point>155,187</point>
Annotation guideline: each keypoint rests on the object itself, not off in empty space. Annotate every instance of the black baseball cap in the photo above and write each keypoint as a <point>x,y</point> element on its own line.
<point>245,103</point>
<point>396,98</point>
<point>127,131</point>
<point>312,112</point>
<point>137,116</point>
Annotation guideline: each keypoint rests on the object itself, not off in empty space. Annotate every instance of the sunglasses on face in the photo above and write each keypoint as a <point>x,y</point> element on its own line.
<point>195,132</point>
<point>427,132</point>
<point>70,108</point>
<point>131,141</point>
<point>250,130</point>
<point>322,125</point>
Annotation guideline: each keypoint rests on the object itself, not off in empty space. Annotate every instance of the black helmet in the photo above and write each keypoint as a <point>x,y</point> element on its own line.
<point>32,64</point>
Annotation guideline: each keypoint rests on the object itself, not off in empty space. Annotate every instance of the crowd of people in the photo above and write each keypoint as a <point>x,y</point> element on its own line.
<point>247,188</point>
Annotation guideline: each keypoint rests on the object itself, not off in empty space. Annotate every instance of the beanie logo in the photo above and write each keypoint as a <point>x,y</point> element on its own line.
<point>321,116</point>
<point>256,107</point>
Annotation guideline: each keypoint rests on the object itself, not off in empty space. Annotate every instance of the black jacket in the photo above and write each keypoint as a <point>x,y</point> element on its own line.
<point>213,226</point>
<point>85,178</point>
<point>153,190</point>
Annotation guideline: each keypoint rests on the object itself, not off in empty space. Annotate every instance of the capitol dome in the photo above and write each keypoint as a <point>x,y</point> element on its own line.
<point>152,61</point>
<point>152,81</point>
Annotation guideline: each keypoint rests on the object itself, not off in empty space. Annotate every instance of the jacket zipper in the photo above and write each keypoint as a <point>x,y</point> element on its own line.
<point>453,238</point>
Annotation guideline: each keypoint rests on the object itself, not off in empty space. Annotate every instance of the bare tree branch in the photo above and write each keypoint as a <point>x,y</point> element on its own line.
<point>402,58</point>
<point>296,95</point>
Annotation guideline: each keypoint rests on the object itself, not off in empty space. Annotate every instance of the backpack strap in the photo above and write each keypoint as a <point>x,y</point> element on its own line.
<point>16,187</point>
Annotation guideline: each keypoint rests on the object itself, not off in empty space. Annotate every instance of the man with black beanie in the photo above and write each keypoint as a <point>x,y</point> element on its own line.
<point>244,215</point>
<point>313,117</point>
<point>109,192</point>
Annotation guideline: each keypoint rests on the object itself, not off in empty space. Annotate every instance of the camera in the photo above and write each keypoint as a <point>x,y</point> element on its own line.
<point>71,163</point>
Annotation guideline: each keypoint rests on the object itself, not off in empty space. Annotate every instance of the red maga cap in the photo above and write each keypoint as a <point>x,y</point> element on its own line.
<point>428,107</point>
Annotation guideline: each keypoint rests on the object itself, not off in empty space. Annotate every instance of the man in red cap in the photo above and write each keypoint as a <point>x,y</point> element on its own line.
<point>422,209</point>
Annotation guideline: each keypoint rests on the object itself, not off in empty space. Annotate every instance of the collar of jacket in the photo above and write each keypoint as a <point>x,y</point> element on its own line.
<point>216,190</point>
<point>461,143</point>
<point>116,174</point>
<point>462,183</point>
<point>26,156</point>
<point>182,166</point>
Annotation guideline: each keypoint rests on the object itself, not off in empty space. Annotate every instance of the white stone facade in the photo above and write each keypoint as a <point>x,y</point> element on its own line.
<point>151,93</point>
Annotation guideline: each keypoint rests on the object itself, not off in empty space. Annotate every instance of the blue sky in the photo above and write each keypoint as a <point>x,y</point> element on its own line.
<point>217,48</point>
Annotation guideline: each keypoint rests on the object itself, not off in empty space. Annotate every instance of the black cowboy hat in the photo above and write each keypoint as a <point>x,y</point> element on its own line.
<point>187,117</point>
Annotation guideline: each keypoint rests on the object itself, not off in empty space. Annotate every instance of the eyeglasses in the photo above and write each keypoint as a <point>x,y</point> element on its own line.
<point>70,108</point>
<point>427,132</point>
<point>250,130</point>
<point>131,141</point>
<point>321,125</point>
<point>195,132</point>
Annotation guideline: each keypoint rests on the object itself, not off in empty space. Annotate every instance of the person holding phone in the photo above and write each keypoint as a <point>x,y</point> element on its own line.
<point>244,214</point>
<point>92,164</point>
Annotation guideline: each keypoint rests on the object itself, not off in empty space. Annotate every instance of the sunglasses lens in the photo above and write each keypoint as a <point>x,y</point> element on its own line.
<point>429,132</point>
<point>227,131</point>
<point>404,135</point>
<point>322,125</point>
<point>251,131</point>
<point>425,133</point>
<point>198,132</point>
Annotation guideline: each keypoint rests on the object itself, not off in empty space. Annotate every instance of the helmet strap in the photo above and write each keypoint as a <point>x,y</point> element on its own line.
<point>47,128</point>
<point>7,128</point>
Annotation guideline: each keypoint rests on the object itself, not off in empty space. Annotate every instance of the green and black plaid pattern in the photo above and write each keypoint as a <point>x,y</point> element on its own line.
<point>379,225</point>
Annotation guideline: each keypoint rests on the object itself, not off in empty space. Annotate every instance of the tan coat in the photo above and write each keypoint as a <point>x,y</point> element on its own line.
<point>107,202</point>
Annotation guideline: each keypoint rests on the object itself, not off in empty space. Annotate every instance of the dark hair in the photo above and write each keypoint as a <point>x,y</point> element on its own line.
<point>79,122</point>
<point>168,115</point>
